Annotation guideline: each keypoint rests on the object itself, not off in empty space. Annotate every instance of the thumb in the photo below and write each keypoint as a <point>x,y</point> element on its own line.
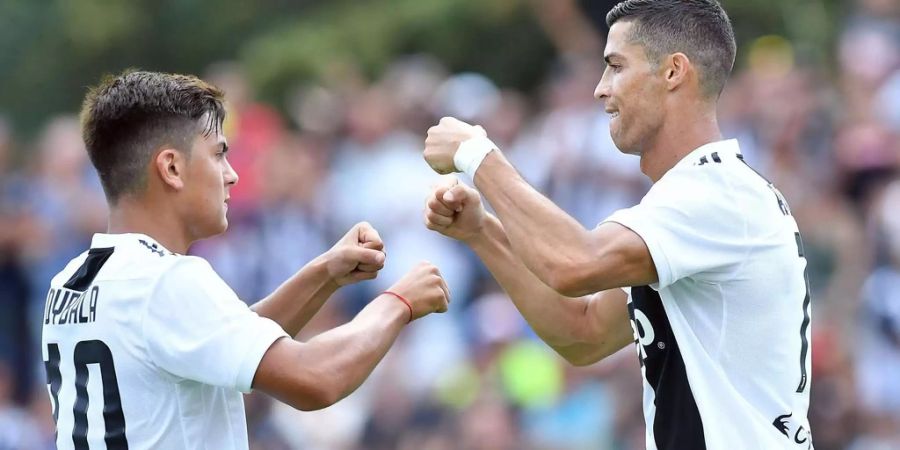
<point>366,255</point>
<point>455,197</point>
<point>356,233</point>
<point>368,236</point>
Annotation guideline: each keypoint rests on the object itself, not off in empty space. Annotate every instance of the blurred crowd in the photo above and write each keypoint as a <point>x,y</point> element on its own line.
<point>349,149</point>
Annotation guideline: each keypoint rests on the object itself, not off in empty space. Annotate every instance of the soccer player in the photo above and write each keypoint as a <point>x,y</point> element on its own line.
<point>709,267</point>
<point>146,347</point>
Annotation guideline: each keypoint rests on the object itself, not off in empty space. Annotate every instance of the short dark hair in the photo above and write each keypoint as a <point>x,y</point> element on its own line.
<point>698,28</point>
<point>127,117</point>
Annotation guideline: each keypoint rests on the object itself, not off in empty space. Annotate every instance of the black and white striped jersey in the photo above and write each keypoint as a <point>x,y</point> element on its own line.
<point>723,337</point>
<point>146,349</point>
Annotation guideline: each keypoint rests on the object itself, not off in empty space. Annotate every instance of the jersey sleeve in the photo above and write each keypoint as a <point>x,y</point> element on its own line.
<point>690,225</point>
<point>196,328</point>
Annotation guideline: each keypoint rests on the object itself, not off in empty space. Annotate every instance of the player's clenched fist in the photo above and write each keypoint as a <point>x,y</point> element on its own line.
<point>424,288</point>
<point>357,256</point>
<point>455,210</point>
<point>443,140</point>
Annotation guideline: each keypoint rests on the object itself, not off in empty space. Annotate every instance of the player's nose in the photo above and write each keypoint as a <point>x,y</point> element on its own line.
<point>231,176</point>
<point>602,91</point>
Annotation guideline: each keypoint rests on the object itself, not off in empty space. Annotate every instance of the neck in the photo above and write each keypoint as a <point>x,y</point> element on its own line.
<point>130,215</point>
<point>681,134</point>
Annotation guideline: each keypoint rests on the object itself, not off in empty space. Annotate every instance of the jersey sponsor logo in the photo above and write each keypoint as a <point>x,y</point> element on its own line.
<point>649,325</point>
<point>677,423</point>
<point>65,306</point>
<point>643,331</point>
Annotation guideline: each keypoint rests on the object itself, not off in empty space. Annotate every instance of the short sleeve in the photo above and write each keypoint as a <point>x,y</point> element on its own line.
<point>196,328</point>
<point>690,225</point>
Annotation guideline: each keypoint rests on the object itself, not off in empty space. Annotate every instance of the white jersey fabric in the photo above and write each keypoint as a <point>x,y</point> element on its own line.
<point>723,337</point>
<point>146,349</point>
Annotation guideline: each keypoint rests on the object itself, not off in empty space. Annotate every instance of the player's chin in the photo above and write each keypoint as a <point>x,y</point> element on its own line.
<point>223,225</point>
<point>624,145</point>
<point>216,228</point>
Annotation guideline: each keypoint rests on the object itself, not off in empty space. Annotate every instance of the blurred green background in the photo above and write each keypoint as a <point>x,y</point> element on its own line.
<point>50,51</point>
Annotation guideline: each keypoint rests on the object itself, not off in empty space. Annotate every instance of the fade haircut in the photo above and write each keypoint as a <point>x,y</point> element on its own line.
<point>698,28</point>
<point>127,117</point>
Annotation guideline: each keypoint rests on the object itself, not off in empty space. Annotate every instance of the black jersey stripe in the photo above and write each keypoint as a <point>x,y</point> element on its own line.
<point>677,424</point>
<point>84,276</point>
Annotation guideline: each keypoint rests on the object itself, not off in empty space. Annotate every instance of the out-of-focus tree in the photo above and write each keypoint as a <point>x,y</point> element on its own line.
<point>51,50</point>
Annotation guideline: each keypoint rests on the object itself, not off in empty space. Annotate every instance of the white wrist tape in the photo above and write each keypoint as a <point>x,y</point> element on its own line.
<point>471,153</point>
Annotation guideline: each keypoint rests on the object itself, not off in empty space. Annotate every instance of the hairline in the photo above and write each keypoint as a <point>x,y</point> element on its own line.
<point>655,54</point>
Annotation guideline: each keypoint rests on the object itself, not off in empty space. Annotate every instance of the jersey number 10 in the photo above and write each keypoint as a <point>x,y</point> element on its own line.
<point>89,352</point>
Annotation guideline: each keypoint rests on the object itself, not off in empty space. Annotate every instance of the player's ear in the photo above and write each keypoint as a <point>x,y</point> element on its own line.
<point>677,67</point>
<point>169,166</point>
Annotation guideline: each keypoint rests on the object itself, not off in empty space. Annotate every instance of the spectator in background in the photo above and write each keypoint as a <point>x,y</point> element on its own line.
<point>15,284</point>
<point>255,127</point>
<point>18,430</point>
<point>827,133</point>
<point>290,203</point>
<point>878,355</point>
<point>588,176</point>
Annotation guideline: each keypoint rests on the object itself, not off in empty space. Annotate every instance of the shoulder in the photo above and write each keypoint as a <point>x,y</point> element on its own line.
<point>689,188</point>
<point>191,265</point>
<point>187,270</point>
<point>694,198</point>
<point>60,278</point>
<point>192,277</point>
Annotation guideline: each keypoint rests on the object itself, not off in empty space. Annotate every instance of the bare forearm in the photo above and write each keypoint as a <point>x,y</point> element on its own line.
<point>543,236</point>
<point>299,298</point>
<point>560,321</point>
<point>350,352</point>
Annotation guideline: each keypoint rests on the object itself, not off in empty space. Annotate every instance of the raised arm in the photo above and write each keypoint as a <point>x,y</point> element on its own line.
<point>583,329</point>
<point>554,246</point>
<point>355,257</point>
<point>318,373</point>
<point>558,249</point>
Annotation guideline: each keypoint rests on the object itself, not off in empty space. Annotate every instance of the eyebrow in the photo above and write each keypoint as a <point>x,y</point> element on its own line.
<point>612,55</point>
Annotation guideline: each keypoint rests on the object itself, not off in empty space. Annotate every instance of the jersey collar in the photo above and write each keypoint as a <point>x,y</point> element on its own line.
<point>102,240</point>
<point>712,152</point>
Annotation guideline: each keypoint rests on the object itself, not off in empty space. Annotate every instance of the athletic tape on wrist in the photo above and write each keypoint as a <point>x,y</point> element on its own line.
<point>471,153</point>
